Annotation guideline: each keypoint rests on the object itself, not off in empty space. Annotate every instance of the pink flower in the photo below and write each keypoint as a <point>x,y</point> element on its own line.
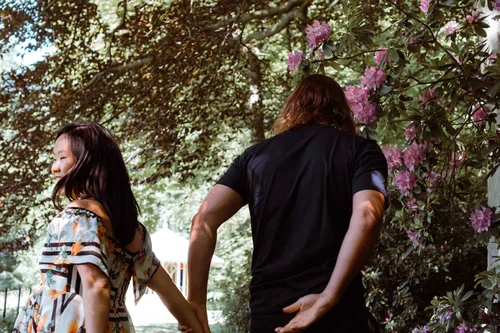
<point>294,60</point>
<point>451,27</point>
<point>374,77</point>
<point>474,15</point>
<point>462,328</point>
<point>430,95</point>
<point>414,237</point>
<point>414,41</point>
<point>457,159</point>
<point>393,157</point>
<point>425,4</point>
<point>431,178</point>
<point>480,114</point>
<point>481,219</point>
<point>412,204</point>
<point>317,33</point>
<point>491,58</point>
<point>430,144</point>
<point>381,55</point>
<point>411,131</point>
<point>414,155</point>
<point>496,5</point>
<point>357,97</point>
<point>405,181</point>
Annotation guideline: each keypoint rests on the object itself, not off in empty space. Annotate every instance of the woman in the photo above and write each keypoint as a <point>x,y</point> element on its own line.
<point>95,245</point>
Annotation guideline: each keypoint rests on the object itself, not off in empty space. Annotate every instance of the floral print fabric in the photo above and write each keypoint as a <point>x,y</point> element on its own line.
<point>77,236</point>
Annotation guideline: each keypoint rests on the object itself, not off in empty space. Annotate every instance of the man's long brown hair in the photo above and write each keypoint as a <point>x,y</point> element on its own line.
<point>317,99</point>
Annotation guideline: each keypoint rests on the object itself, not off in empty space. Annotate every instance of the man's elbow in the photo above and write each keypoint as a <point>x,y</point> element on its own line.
<point>201,225</point>
<point>368,217</point>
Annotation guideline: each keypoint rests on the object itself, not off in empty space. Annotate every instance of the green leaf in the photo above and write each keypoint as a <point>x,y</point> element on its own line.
<point>333,4</point>
<point>321,69</point>
<point>480,31</point>
<point>467,296</point>
<point>394,55</point>
<point>384,90</point>
<point>328,48</point>
<point>493,91</point>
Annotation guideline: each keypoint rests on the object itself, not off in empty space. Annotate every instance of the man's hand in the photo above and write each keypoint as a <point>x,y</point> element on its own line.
<point>200,311</point>
<point>309,309</point>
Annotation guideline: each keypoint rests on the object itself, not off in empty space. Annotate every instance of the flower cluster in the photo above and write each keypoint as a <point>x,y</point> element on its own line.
<point>317,33</point>
<point>462,328</point>
<point>451,27</point>
<point>374,77</point>
<point>425,5</point>
<point>457,159</point>
<point>362,109</point>
<point>414,237</point>
<point>381,55</point>
<point>414,155</point>
<point>412,204</point>
<point>430,95</point>
<point>496,5</point>
<point>411,131</point>
<point>480,219</point>
<point>393,157</point>
<point>405,181</point>
<point>474,15</point>
<point>423,330</point>
<point>431,179</point>
<point>294,60</point>
<point>480,114</point>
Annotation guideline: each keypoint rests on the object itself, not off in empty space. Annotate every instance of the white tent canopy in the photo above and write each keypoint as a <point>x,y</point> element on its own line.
<point>171,247</point>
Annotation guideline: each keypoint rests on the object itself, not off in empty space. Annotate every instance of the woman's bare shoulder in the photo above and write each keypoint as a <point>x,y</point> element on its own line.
<point>93,206</point>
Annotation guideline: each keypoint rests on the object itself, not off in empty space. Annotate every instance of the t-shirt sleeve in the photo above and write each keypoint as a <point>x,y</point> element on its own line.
<point>145,266</point>
<point>370,169</point>
<point>76,237</point>
<point>235,179</point>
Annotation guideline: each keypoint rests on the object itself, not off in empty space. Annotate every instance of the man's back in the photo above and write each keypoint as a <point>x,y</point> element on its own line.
<point>299,187</point>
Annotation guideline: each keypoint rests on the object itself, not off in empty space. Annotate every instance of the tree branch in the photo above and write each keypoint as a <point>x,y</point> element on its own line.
<point>118,27</point>
<point>259,35</point>
<point>260,14</point>
<point>117,69</point>
<point>66,51</point>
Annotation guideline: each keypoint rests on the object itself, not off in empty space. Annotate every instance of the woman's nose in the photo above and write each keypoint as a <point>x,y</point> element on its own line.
<point>55,168</point>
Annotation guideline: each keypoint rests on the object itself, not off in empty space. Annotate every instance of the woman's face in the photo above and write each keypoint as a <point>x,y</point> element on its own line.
<point>63,160</point>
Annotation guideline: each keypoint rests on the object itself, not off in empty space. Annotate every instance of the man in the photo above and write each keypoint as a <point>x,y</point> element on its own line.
<point>316,193</point>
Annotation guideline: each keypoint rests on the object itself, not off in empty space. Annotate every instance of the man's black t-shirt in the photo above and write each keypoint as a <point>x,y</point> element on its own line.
<point>299,187</point>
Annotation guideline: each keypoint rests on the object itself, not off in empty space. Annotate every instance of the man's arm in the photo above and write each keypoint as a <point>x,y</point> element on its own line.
<point>221,203</point>
<point>364,228</point>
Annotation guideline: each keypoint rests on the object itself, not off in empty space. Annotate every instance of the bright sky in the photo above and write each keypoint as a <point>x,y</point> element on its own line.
<point>20,57</point>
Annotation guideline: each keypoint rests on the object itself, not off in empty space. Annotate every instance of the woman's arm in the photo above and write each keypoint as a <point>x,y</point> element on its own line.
<point>96,298</point>
<point>162,284</point>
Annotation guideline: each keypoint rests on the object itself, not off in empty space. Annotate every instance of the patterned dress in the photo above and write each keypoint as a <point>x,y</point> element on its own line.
<point>77,236</point>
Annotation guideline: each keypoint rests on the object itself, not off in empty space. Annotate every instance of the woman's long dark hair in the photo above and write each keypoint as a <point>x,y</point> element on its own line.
<point>317,99</point>
<point>99,173</point>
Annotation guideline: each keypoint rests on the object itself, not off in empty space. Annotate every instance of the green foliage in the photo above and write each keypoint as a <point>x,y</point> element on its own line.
<point>7,323</point>
<point>234,280</point>
<point>427,243</point>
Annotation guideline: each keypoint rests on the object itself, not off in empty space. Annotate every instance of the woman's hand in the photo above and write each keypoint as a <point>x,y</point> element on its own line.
<point>200,311</point>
